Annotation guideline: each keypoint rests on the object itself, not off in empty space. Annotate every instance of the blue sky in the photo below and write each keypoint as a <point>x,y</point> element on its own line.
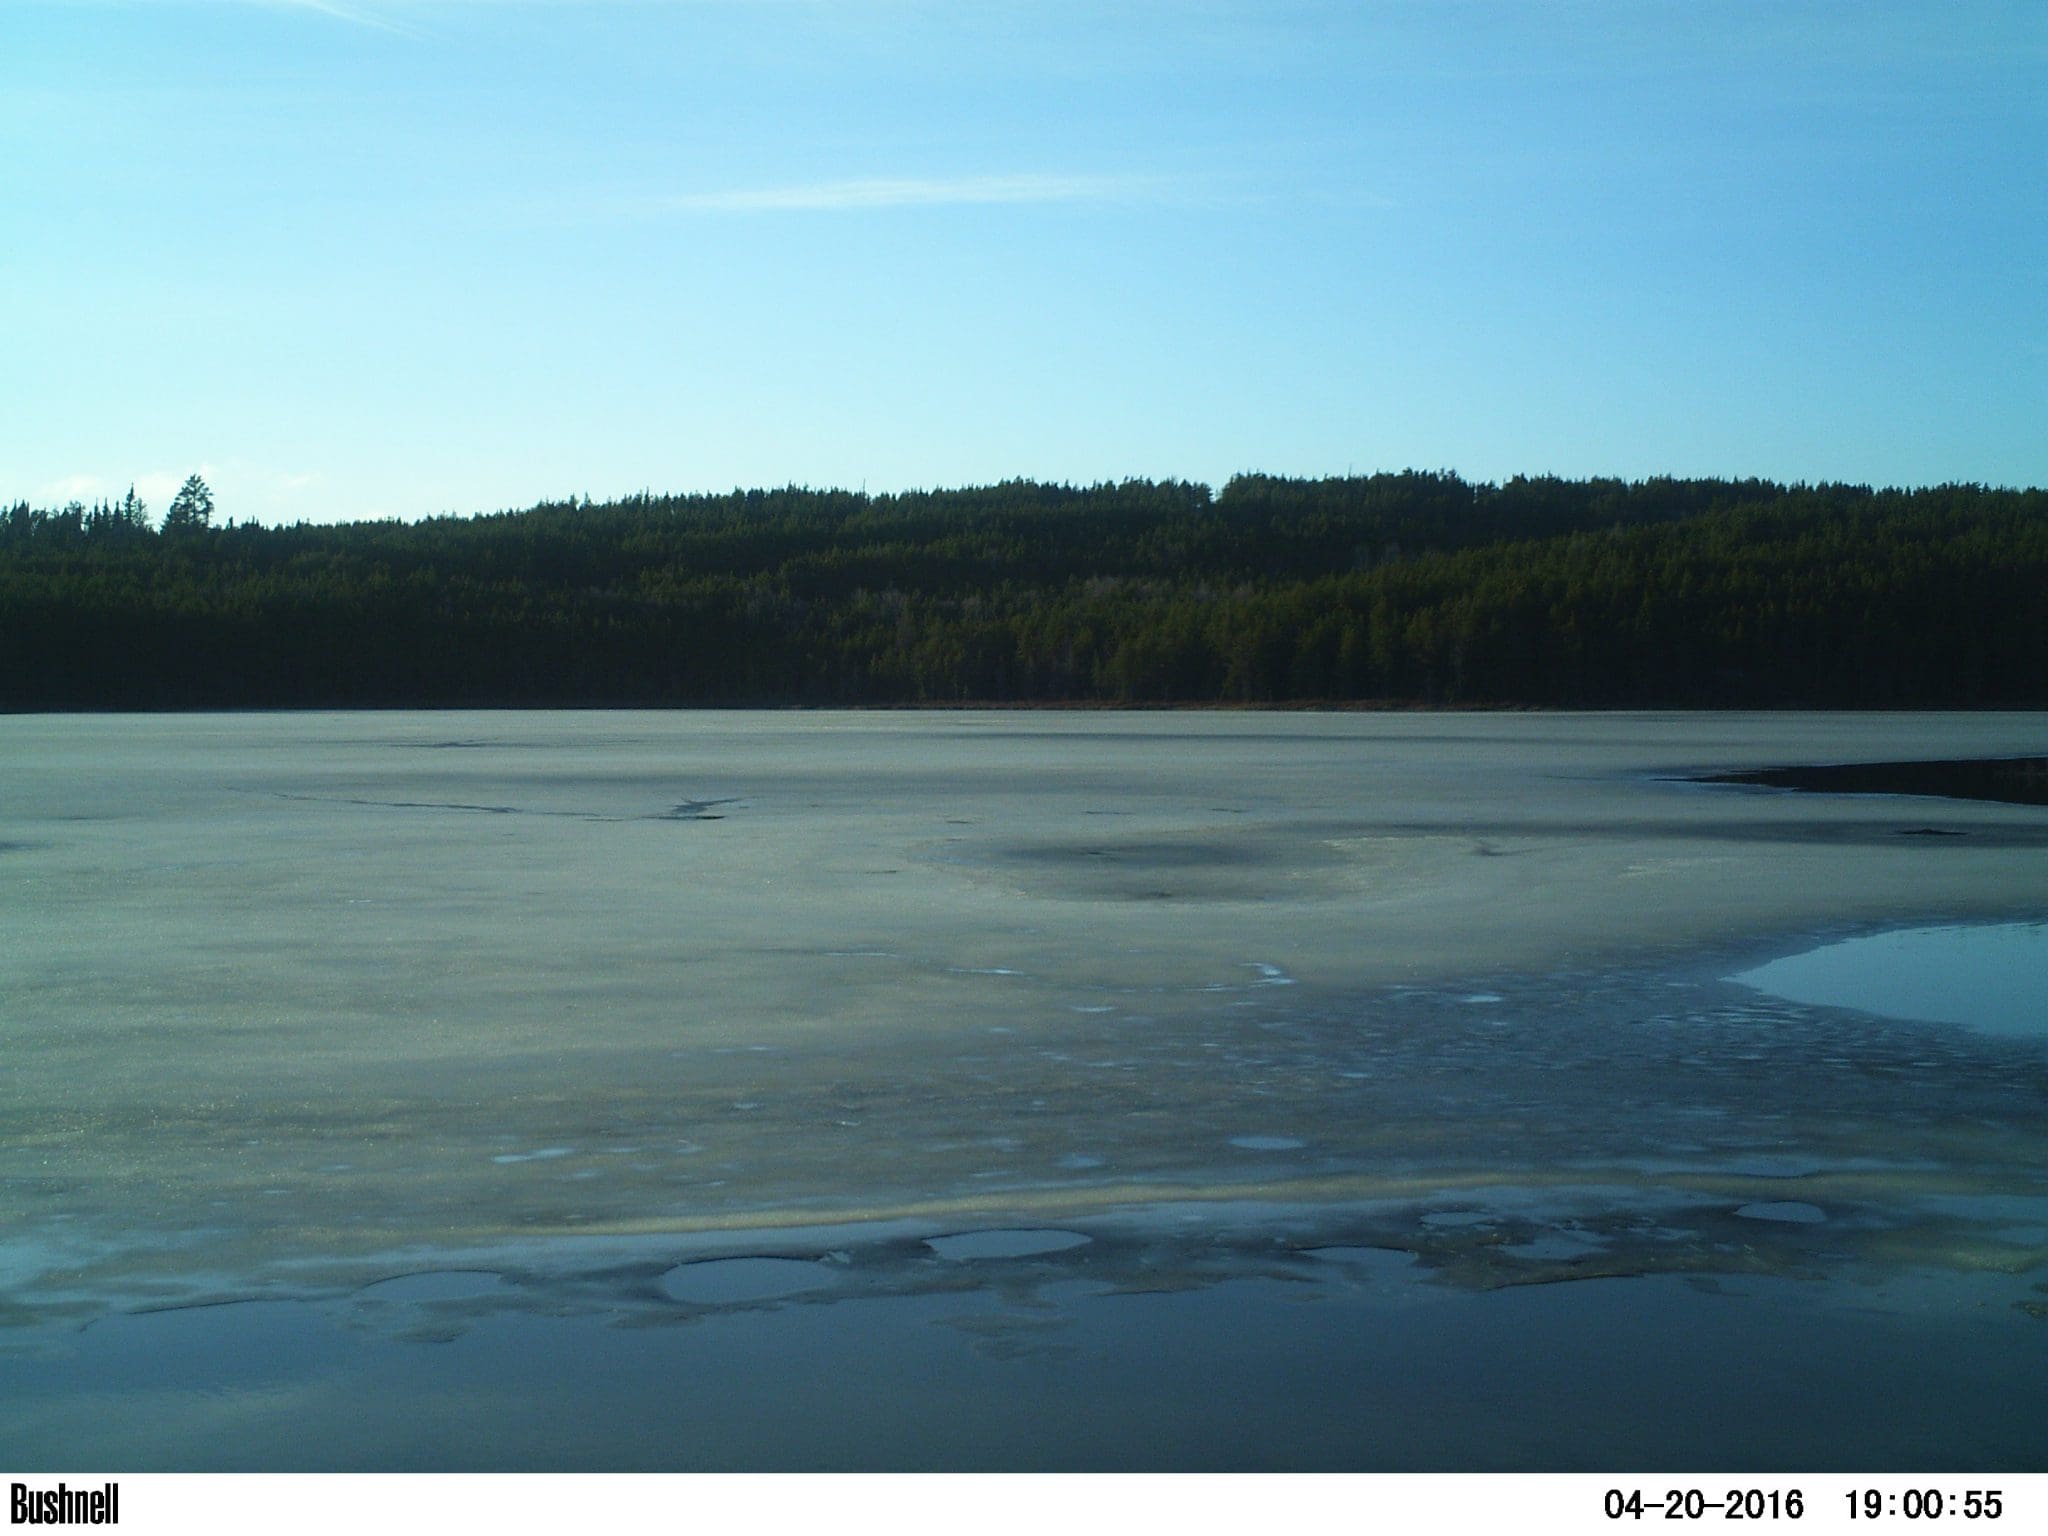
<point>401,257</point>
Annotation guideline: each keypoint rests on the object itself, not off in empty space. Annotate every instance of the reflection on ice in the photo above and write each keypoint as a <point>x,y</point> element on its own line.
<point>1384,1372</point>
<point>1992,978</point>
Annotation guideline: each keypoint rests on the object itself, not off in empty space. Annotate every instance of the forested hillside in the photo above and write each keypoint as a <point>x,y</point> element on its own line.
<point>1388,588</point>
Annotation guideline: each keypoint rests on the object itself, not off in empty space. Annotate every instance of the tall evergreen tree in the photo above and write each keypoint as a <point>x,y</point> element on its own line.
<point>191,508</point>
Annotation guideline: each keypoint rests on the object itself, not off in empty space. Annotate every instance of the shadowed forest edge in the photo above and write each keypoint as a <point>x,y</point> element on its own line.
<point>1390,588</point>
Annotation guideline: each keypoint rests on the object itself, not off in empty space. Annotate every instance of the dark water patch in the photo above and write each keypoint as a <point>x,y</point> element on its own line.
<point>696,810</point>
<point>1558,1247</point>
<point>1980,831</point>
<point>1011,1335</point>
<point>1360,1260</point>
<point>1196,867</point>
<point>1450,1220</point>
<point>1157,855</point>
<point>2011,780</point>
<point>716,1282</point>
<point>1206,738</point>
<point>1753,1374</point>
<point>682,810</point>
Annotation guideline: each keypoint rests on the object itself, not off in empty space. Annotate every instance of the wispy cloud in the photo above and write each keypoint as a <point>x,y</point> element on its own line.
<point>355,15</point>
<point>245,488</point>
<point>153,485</point>
<point>916,192</point>
<point>378,14</point>
<point>72,488</point>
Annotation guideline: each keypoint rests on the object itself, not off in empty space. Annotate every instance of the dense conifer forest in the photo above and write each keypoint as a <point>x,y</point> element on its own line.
<point>1389,588</point>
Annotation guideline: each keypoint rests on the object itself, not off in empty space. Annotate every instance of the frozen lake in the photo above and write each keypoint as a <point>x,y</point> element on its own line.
<point>376,1029</point>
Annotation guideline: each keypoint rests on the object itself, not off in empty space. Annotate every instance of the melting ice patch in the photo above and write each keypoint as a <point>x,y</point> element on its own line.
<point>1992,978</point>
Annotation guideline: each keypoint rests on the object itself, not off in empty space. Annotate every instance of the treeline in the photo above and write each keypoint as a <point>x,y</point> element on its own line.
<point>1386,588</point>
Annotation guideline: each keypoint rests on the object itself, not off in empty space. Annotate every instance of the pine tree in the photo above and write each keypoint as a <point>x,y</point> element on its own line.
<point>191,508</point>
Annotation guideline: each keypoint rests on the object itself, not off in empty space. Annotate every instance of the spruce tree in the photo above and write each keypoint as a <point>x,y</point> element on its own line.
<point>191,508</point>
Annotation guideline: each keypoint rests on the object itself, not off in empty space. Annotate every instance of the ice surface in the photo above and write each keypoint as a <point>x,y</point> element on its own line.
<point>289,991</point>
<point>1797,1211</point>
<point>1000,1244</point>
<point>435,1285</point>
